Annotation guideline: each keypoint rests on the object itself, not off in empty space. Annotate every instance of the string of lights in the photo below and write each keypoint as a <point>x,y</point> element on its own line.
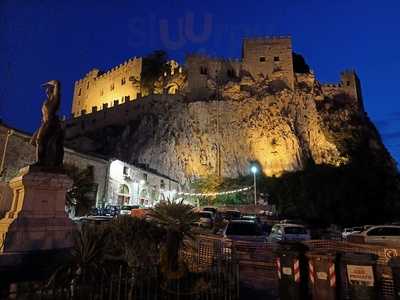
<point>217,193</point>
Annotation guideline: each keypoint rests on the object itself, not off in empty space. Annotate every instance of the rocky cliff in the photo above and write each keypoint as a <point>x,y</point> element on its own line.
<point>247,121</point>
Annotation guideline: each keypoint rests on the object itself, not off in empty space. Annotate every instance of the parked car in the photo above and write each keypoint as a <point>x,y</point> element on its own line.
<point>214,210</point>
<point>92,220</point>
<point>348,231</point>
<point>244,230</point>
<point>289,232</point>
<point>251,218</point>
<point>127,209</point>
<point>381,234</point>
<point>111,210</point>
<point>206,219</point>
<point>231,215</point>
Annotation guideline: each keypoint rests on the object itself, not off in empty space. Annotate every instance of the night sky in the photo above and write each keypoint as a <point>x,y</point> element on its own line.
<point>43,40</point>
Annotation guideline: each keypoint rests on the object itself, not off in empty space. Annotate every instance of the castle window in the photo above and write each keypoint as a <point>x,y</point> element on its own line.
<point>80,91</point>
<point>112,87</point>
<point>127,98</point>
<point>203,71</point>
<point>87,86</point>
<point>83,111</point>
<point>105,105</point>
<point>123,81</point>
<point>116,102</point>
<point>101,92</point>
<point>162,184</point>
<point>125,171</point>
<point>231,73</point>
<point>276,58</point>
<point>262,59</point>
<point>348,83</point>
<point>94,108</point>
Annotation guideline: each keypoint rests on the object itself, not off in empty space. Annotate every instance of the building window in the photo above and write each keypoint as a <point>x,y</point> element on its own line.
<point>231,73</point>
<point>112,87</point>
<point>162,184</point>
<point>145,177</point>
<point>105,105</point>
<point>123,81</point>
<point>203,71</point>
<point>116,102</point>
<point>127,98</point>
<point>87,86</point>
<point>101,92</point>
<point>262,59</point>
<point>348,83</point>
<point>83,112</point>
<point>276,58</point>
<point>123,194</point>
<point>94,109</point>
<point>79,92</point>
<point>126,171</point>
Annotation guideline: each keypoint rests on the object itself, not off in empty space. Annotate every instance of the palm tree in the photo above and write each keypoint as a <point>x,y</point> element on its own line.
<point>86,261</point>
<point>177,219</point>
<point>134,241</point>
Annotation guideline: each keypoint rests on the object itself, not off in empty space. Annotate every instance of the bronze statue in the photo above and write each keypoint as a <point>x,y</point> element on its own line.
<point>49,138</point>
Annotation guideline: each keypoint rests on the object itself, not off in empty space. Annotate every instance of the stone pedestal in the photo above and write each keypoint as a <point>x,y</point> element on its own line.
<point>37,219</point>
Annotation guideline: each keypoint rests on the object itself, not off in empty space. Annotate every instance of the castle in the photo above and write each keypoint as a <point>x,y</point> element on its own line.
<point>115,91</point>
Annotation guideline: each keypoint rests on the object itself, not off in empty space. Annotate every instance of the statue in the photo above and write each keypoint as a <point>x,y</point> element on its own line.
<point>49,138</point>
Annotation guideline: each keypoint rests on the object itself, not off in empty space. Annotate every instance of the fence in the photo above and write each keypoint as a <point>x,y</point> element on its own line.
<point>257,268</point>
<point>207,277</point>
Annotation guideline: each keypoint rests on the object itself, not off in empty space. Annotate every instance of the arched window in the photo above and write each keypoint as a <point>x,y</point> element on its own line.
<point>123,194</point>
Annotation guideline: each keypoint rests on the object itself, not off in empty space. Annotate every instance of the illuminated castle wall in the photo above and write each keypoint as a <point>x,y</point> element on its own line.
<point>97,91</point>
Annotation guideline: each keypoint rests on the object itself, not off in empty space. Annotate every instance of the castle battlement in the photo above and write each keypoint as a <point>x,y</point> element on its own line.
<point>257,39</point>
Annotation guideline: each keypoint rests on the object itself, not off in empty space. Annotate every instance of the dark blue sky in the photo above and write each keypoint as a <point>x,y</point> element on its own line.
<point>47,39</point>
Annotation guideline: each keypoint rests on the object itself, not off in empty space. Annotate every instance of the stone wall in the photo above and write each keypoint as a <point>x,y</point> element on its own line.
<point>268,56</point>
<point>118,115</point>
<point>100,90</point>
<point>205,74</point>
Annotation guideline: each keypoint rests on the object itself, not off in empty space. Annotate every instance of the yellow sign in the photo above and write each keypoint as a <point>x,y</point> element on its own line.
<point>362,275</point>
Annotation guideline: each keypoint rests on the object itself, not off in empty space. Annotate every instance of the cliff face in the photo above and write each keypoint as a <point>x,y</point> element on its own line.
<point>248,121</point>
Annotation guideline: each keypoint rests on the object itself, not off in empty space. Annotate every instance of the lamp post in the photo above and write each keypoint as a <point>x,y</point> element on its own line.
<point>254,171</point>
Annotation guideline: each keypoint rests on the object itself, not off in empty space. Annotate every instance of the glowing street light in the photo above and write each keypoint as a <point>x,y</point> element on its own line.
<point>254,170</point>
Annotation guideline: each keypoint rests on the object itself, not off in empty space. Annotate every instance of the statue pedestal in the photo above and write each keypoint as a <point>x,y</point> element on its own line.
<point>37,219</point>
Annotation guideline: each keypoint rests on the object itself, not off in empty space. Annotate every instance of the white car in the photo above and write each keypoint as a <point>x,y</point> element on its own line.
<point>348,231</point>
<point>289,232</point>
<point>382,234</point>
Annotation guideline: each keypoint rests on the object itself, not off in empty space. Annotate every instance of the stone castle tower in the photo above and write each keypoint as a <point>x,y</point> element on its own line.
<point>98,90</point>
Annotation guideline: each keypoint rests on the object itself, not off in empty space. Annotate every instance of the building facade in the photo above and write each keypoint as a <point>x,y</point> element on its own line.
<point>131,185</point>
<point>115,182</point>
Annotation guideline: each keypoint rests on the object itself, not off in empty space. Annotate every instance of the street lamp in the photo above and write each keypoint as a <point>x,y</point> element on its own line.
<point>254,171</point>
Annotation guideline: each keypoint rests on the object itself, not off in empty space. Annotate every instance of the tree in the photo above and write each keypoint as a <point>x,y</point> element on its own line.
<point>153,66</point>
<point>176,218</point>
<point>81,196</point>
